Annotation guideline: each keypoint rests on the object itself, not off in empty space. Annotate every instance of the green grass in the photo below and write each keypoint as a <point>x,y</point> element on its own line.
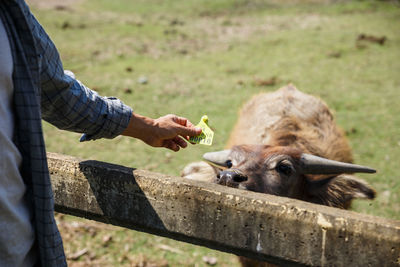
<point>202,58</point>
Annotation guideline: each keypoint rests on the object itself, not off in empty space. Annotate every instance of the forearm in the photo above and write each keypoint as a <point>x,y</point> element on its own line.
<point>139,126</point>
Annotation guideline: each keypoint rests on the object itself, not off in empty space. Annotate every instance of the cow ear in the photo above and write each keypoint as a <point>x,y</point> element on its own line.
<point>338,191</point>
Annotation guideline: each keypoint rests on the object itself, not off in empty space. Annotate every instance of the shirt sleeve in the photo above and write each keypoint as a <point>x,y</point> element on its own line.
<point>67,103</point>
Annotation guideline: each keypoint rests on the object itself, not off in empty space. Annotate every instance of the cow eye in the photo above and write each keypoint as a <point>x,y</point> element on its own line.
<point>228,163</point>
<point>284,168</point>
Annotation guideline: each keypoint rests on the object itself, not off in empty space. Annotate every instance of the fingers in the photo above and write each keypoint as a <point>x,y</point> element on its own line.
<point>188,131</point>
<point>180,142</point>
<point>181,120</point>
<point>184,122</point>
<point>185,128</point>
<point>189,124</point>
<point>170,144</point>
<point>175,144</point>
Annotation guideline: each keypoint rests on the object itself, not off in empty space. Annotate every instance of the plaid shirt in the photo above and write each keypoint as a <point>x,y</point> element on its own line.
<point>42,90</point>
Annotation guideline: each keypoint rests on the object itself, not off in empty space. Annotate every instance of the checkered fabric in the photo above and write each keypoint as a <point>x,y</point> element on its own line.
<point>42,90</point>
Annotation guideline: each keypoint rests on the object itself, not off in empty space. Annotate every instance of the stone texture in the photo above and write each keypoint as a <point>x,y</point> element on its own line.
<point>259,226</point>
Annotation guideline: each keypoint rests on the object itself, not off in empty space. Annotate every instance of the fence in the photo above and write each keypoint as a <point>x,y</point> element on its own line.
<point>260,226</point>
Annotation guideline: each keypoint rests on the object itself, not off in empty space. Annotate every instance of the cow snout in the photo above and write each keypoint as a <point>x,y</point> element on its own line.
<point>231,177</point>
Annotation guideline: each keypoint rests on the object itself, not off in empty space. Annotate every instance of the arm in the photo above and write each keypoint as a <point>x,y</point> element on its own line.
<point>66,102</point>
<point>69,105</point>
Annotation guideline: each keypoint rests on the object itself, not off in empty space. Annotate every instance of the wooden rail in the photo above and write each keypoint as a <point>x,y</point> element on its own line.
<point>259,226</point>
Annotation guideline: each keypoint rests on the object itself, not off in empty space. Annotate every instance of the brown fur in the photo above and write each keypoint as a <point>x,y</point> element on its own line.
<point>289,117</point>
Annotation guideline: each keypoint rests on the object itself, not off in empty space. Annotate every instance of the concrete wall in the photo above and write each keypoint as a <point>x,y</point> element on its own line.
<point>260,226</point>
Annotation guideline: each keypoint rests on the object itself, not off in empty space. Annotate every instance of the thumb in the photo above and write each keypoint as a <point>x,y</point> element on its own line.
<point>189,130</point>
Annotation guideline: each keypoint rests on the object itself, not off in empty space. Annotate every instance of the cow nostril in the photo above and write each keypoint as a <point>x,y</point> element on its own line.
<point>231,177</point>
<point>238,178</point>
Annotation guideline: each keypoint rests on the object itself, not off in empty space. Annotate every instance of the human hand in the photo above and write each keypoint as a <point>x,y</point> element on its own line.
<point>168,131</point>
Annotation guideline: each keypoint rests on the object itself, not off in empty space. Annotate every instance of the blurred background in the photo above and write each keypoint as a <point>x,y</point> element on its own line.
<point>208,57</point>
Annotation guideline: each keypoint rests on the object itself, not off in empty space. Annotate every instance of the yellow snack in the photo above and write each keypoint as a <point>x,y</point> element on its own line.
<point>206,136</point>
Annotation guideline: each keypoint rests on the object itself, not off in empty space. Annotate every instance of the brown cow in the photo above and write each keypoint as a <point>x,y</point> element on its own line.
<point>286,143</point>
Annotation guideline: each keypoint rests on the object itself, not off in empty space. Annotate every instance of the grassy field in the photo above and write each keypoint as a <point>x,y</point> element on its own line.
<point>208,57</point>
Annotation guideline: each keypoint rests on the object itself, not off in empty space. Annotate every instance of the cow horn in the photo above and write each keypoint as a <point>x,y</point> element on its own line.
<point>219,157</point>
<point>311,164</point>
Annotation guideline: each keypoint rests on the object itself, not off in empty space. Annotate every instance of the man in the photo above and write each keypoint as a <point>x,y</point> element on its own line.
<point>33,86</point>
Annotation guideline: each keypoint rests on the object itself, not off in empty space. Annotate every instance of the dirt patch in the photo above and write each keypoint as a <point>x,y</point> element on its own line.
<point>221,32</point>
<point>371,39</point>
<point>53,4</point>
